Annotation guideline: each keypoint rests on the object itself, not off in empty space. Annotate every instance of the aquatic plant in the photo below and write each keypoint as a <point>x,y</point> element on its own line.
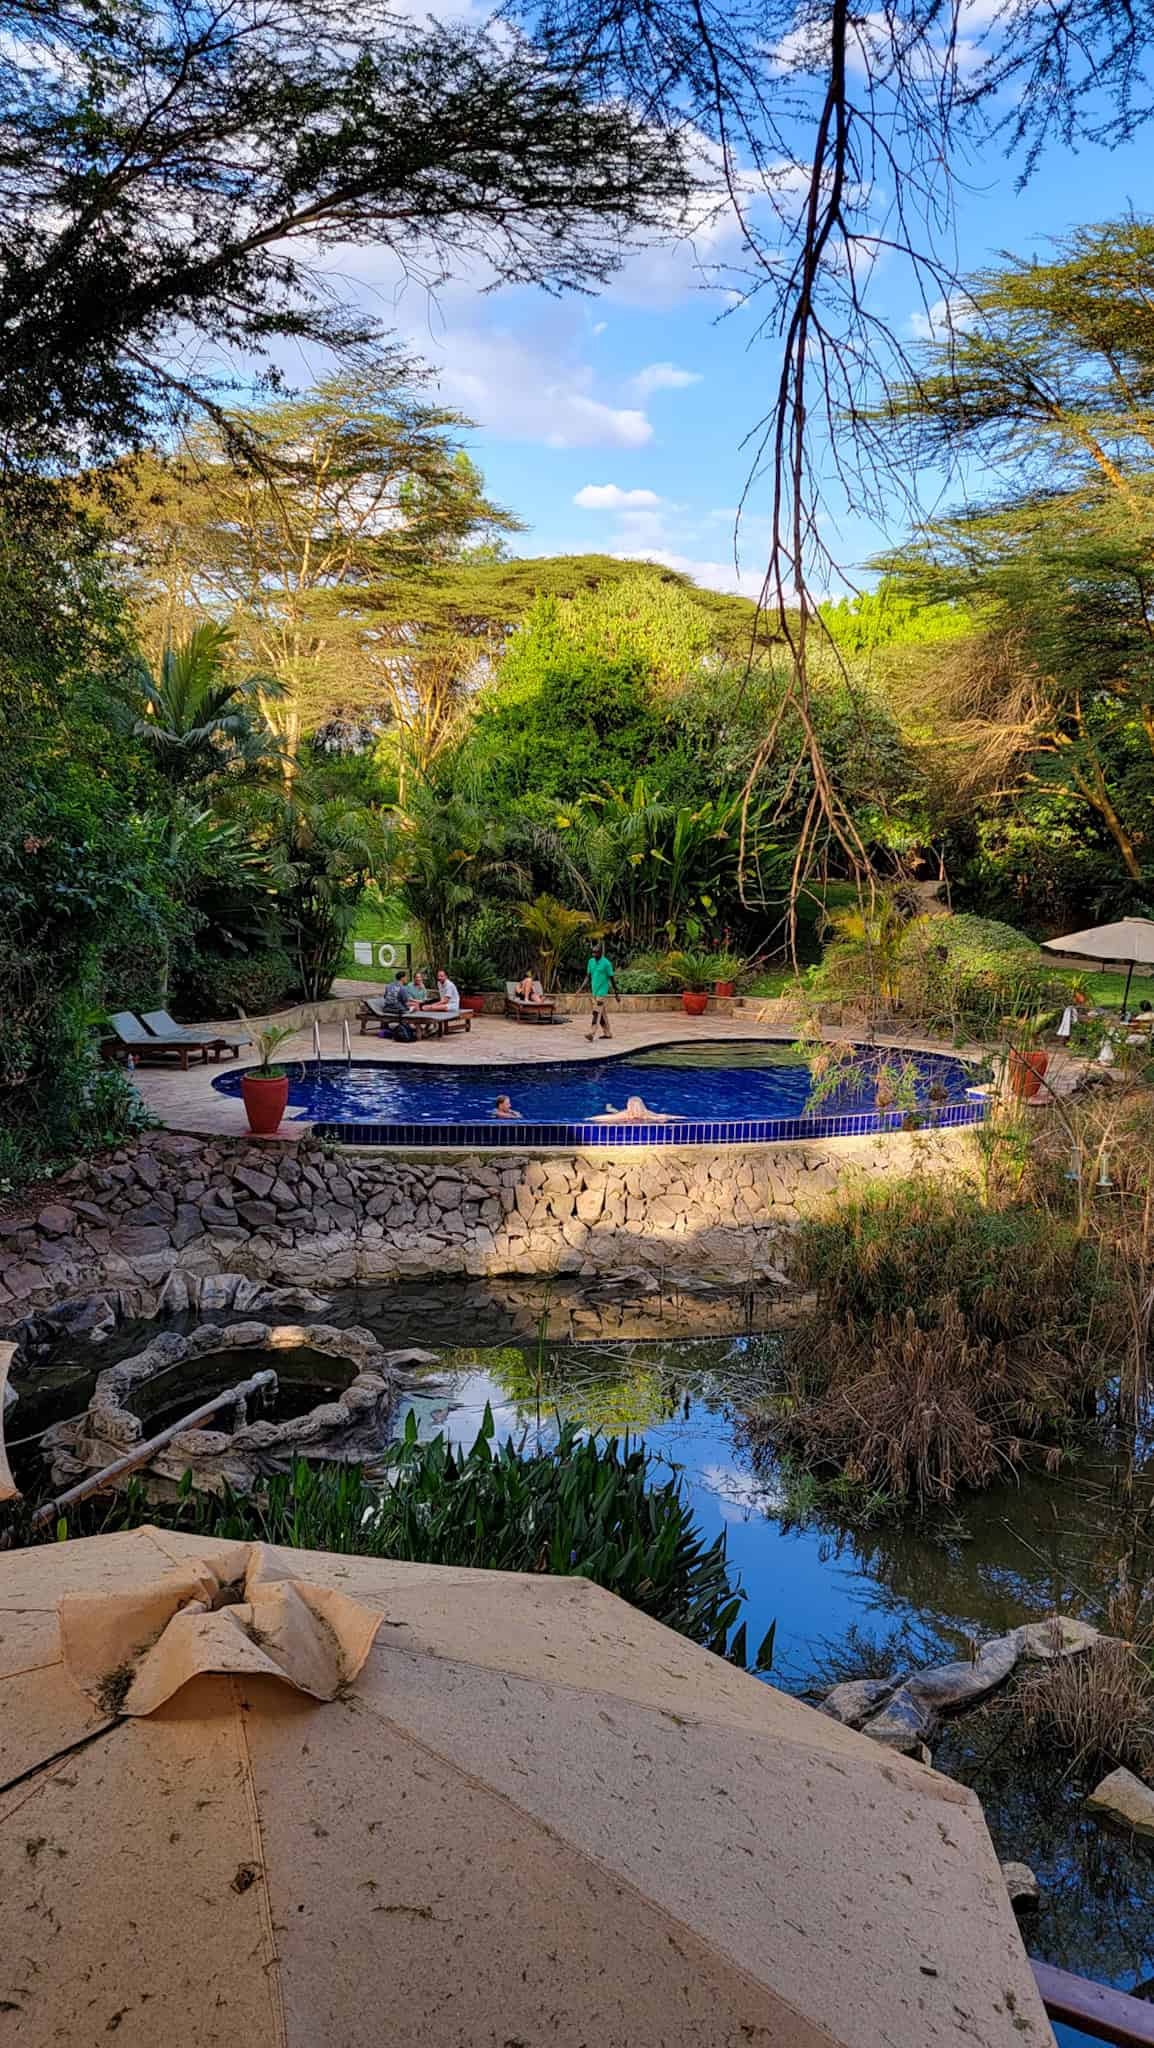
<point>950,1344</point>
<point>581,1507</point>
<point>1096,1710</point>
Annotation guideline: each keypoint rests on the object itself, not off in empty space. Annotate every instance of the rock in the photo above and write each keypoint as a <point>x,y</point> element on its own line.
<point>55,1220</point>
<point>854,1702</point>
<point>904,1724</point>
<point>1022,1885</point>
<point>949,1687</point>
<point>148,1170</point>
<point>258,1184</point>
<point>148,1237</point>
<point>259,1214</point>
<point>1059,1635</point>
<point>1124,1801</point>
<point>188,1224</point>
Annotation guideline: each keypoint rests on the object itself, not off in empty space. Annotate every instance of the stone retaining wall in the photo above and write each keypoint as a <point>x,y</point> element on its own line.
<point>302,1212</point>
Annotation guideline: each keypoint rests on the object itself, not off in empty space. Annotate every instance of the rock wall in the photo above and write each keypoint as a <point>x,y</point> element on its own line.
<point>303,1213</point>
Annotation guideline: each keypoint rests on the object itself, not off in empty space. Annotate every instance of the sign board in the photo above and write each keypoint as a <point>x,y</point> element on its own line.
<point>384,953</point>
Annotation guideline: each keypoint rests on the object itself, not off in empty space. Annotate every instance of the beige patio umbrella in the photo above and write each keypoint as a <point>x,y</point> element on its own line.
<point>506,1810</point>
<point>1129,943</point>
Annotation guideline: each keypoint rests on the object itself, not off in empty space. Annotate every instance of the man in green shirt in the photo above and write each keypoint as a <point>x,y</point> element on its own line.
<point>599,978</point>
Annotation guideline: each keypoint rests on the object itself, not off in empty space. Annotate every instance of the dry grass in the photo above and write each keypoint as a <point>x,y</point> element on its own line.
<point>1096,1709</point>
<point>919,1413</point>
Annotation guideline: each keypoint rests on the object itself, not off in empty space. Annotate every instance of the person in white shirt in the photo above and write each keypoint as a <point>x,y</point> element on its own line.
<point>448,996</point>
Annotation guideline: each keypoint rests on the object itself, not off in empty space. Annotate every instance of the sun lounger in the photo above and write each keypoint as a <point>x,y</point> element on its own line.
<point>436,1024</point>
<point>163,1026</point>
<point>527,1013</point>
<point>131,1036</point>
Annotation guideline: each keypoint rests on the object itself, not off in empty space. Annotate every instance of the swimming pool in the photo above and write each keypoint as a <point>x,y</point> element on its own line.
<point>714,1094</point>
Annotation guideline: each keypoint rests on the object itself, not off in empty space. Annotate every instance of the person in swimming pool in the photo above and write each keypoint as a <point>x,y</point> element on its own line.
<point>505,1108</point>
<point>634,1112</point>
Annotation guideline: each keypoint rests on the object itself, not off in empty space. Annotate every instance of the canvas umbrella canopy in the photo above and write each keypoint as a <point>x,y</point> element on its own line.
<point>503,1810</point>
<point>1129,943</point>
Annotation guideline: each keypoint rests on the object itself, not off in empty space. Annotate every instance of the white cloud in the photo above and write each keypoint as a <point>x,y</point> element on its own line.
<point>520,386</point>
<point>611,498</point>
<point>599,327</point>
<point>711,575</point>
<point>663,377</point>
<point>945,317</point>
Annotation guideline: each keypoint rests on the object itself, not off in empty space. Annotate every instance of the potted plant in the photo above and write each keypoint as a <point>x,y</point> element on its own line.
<point>726,968</point>
<point>694,974</point>
<point>1028,1060</point>
<point>264,1088</point>
<point>472,973</point>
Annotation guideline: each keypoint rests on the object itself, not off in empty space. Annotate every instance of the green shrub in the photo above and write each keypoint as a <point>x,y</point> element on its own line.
<point>642,981</point>
<point>969,974</point>
<point>583,1508</point>
<point>210,986</point>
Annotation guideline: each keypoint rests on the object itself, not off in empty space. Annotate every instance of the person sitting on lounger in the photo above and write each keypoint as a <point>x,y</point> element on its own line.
<point>529,990</point>
<point>447,999</point>
<point>419,991</point>
<point>398,995</point>
<point>505,1108</point>
<point>634,1112</point>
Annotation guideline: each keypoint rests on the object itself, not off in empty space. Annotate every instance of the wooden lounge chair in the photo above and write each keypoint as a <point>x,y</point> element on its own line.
<point>163,1026</point>
<point>527,1013</point>
<point>437,1023</point>
<point>131,1036</point>
<point>373,1012</point>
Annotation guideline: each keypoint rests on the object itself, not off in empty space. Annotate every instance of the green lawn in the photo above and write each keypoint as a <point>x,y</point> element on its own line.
<point>378,918</point>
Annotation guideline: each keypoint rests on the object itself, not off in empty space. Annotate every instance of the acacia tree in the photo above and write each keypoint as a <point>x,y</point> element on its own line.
<point>1050,379</point>
<point>310,523</point>
<point>185,168</point>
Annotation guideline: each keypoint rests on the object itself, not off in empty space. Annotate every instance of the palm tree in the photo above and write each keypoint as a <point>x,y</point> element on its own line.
<point>195,717</point>
<point>322,853</point>
<point>555,931</point>
<point>451,856</point>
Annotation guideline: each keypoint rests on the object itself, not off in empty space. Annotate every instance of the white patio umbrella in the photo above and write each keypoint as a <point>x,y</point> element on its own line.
<point>381,1805</point>
<point>1129,943</point>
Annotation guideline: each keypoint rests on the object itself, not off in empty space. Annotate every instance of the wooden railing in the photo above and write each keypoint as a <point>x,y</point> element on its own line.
<point>1096,2009</point>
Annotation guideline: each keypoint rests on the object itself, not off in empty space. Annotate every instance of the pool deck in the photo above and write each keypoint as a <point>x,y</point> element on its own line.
<point>188,1102</point>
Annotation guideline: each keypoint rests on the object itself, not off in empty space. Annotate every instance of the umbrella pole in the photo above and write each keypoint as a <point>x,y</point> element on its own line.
<point>96,1481</point>
<point>1126,990</point>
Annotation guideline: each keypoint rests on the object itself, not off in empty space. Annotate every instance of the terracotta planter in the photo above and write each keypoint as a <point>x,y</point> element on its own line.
<point>265,1101</point>
<point>1026,1072</point>
<point>724,988</point>
<point>693,1002</point>
<point>474,1003</point>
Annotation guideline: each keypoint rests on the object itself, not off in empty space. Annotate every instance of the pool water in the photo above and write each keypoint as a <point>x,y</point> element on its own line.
<point>716,1088</point>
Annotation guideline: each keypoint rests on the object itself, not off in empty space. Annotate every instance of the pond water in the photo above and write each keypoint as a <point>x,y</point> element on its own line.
<point>1009,1556</point>
<point>681,1367</point>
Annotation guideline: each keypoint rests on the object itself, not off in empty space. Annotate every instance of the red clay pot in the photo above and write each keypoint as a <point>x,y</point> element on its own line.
<point>1026,1072</point>
<point>724,988</point>
<point>693,1002</point>
<point>265,1101</point>
<point>474,1003</point>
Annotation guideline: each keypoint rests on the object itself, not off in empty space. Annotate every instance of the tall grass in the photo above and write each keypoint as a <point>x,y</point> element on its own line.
<point>951,1344</point>
<point>583,1508</point>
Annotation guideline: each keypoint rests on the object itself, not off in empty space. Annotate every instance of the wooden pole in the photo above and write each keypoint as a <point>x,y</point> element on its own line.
<point>97,1481</point>
<point>1095,2009</point>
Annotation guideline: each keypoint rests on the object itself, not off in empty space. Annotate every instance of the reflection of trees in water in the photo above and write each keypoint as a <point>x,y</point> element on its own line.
<point>1067,1544</point>
<point>1096,1915</point>
<point>623,1388</point>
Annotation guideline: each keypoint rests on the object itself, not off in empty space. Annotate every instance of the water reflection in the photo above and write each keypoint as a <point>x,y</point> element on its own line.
<point>1009,1556</point>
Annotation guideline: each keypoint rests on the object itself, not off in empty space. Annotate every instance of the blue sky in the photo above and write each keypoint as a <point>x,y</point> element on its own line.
<point>615,424</point>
